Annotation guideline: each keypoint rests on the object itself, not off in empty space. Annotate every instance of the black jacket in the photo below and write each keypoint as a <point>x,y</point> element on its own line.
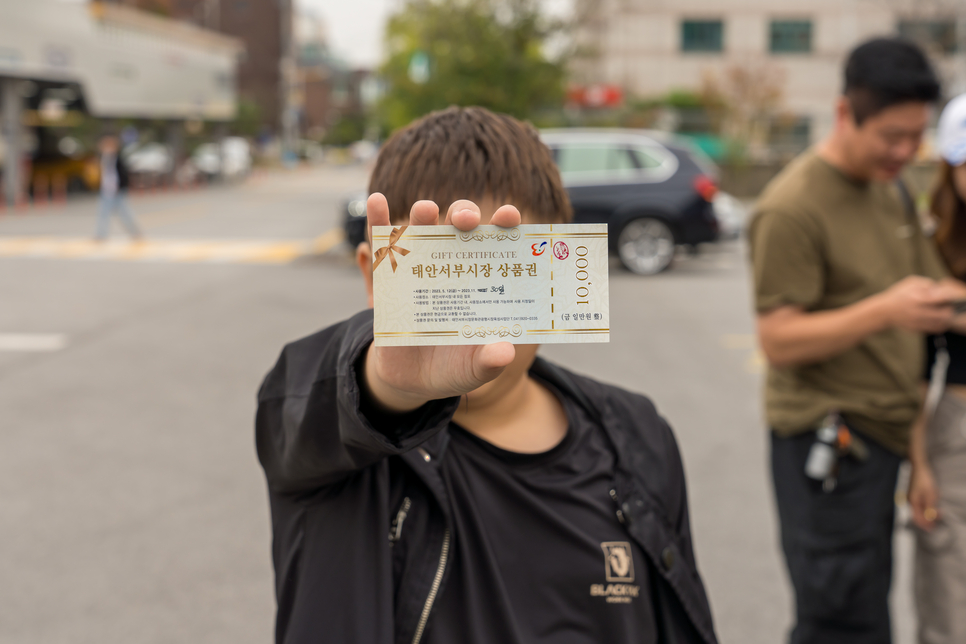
<point>336,483</point>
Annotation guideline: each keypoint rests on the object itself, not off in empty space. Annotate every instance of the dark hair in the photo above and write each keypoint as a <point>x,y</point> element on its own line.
<point>950,212</point>
<point>470,153</point>
<point>884,72</point>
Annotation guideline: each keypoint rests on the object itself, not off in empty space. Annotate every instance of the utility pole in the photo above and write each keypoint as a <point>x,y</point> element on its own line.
<point>287,73</point>
<point>212,15</point>
<point>11,106</point>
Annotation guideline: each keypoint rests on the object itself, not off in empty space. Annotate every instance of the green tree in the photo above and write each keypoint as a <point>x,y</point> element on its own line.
<point>248,119</point>
<point>348,129</point>
<point>491,53</point>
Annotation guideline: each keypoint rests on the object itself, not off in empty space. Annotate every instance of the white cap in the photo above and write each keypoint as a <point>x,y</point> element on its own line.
<point>951,133</point>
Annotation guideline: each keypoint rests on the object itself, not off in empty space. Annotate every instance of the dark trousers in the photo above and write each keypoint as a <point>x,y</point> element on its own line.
<point>838,545</point>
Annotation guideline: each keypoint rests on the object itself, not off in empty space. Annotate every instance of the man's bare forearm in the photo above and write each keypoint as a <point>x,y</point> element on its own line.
<point>792,337</point>
<point>917,438</point>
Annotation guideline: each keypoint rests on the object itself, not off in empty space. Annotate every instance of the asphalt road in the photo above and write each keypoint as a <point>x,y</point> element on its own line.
<point>132,506</point>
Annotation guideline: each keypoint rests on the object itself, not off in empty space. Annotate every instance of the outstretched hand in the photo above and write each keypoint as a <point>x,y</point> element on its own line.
<point>404,378</point>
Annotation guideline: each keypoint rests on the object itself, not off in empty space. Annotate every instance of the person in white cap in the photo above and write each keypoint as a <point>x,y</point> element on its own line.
<point>937,490</point>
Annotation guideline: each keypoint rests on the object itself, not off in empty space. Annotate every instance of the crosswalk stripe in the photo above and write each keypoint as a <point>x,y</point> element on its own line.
<point>32,341</point>
<point>170,250</point>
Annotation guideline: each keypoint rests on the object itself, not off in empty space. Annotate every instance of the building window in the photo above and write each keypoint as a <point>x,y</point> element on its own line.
<point>788,136</point>
<point>791,36</point>
<point>702,35</point>
<point>933,35</point>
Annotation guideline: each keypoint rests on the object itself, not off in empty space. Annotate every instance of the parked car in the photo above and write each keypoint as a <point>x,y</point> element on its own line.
<point>653,191</point>
<point>233,161</point>
<point>354,218</point>
<point>731,214</point>
<point>60,172</point>
<point>148,162</point>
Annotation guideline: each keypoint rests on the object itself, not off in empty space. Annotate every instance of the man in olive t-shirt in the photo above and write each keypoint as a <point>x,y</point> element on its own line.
<point>845,285</point>
<point>822,241</point>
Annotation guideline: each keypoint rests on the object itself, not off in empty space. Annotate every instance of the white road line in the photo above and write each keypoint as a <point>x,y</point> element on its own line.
<point>32,341</point>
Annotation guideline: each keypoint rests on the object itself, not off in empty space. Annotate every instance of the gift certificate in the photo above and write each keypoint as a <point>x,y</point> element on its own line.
<point>532,284</point>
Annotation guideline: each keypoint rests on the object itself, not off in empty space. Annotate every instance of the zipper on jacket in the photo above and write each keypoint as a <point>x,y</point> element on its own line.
<point>397,524</point>
<point>444,553</point>
<point>620,513</point>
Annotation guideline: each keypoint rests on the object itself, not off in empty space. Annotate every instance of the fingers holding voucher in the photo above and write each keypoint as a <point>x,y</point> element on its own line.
<point>506,216</point>
<point>377,212</point>
<point>424,213</point>
<point>494,357</point>
<point>463,214</point>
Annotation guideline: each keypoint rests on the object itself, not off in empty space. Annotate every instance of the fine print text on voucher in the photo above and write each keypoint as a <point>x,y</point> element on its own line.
<point>532,284</point>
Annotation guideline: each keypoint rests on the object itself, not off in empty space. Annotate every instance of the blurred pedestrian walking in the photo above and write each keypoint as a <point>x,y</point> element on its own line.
<point>115,181</point>
<point>937,490</point>
<point>846,284</point>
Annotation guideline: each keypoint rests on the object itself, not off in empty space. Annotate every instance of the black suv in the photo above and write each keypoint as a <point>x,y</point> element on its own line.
<point>653,191</point>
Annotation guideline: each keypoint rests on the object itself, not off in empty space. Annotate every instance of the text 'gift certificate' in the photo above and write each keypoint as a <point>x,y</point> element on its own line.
<point>533,284</point>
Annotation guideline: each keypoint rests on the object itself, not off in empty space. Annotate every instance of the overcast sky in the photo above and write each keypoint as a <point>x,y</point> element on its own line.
<point>355,27</point>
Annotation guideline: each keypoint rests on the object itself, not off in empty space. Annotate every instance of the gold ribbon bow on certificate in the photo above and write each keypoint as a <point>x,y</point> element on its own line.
<point>382,252</point>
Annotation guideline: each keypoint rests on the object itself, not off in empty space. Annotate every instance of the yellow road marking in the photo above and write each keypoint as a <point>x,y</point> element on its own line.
<point>170,250</point>
<point>277,254</point>
<point>755,361</point>
<point>739,341</point>
<point>327,241</point>
<point>74,248</point>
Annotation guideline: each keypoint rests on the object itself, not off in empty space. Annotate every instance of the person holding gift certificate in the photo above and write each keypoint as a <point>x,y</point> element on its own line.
<point>451,486</point>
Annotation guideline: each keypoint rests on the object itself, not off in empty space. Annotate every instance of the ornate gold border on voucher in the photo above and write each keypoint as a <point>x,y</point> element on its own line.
<point>496,235</point>
<point>555,235</point>
<point>584,331</point>
<point>408,333</point>
<point>499,331</point>
<point>417,236</point>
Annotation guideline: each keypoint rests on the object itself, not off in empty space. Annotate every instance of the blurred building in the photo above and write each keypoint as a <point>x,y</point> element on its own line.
<point>266,75</point>
<point>61,60</point>
<point>789,53</point>
<point>330,91</point>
